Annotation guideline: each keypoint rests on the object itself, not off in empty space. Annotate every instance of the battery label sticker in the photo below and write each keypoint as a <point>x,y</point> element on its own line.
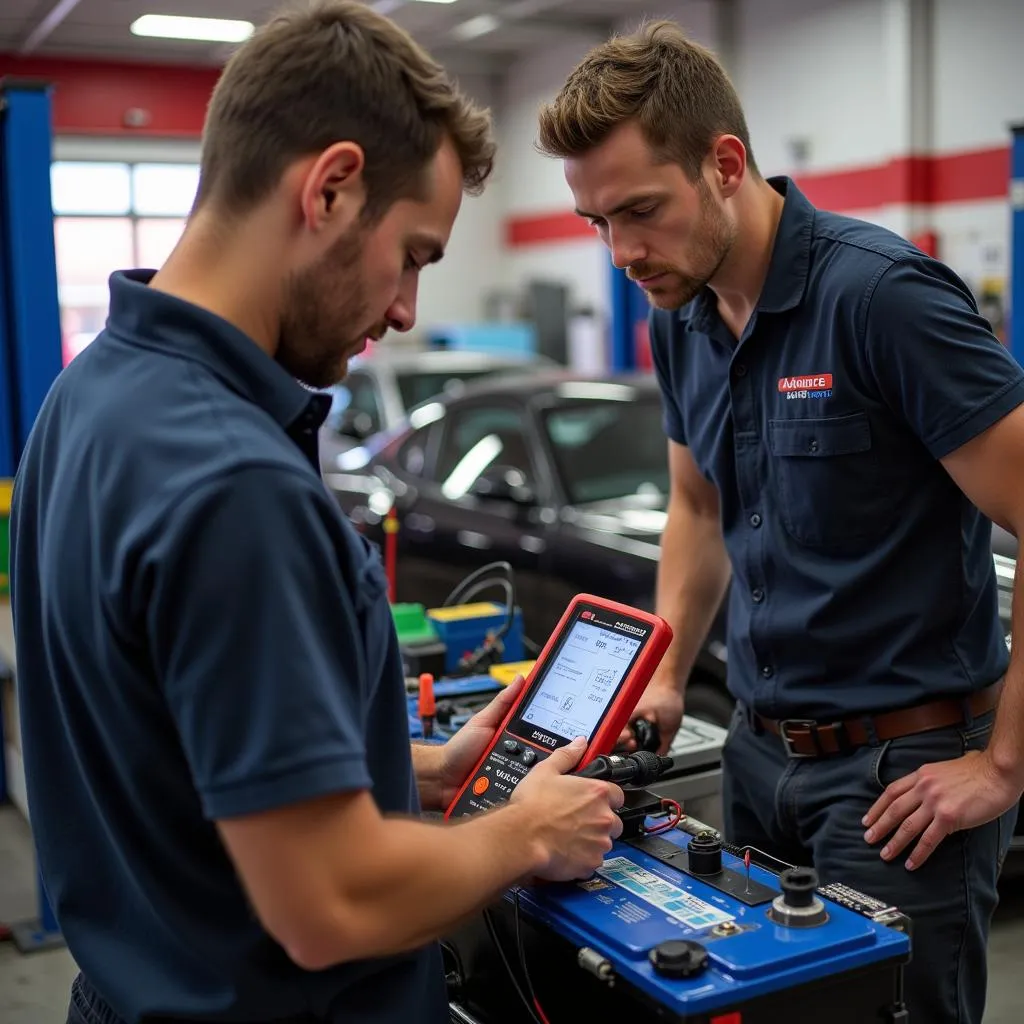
<point>683,906</point>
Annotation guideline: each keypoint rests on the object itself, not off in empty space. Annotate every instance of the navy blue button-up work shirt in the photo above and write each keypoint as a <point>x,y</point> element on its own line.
<point>201,634</point>
<point>862,576</point>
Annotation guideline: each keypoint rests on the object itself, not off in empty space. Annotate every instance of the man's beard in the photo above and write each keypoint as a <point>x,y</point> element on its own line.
<point>712,241</point>
<point>325,315</point>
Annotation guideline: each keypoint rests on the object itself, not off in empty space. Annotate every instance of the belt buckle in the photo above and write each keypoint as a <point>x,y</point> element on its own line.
<point>809,724</point>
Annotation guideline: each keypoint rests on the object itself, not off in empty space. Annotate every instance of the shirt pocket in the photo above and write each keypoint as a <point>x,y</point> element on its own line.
<point>829,489</point>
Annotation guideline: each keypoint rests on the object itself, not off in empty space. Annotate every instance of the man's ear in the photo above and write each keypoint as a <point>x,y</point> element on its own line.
<point>728,164</point>
<point>333,188</point>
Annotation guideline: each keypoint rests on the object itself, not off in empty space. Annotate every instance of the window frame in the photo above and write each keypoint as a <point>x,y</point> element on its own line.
<point>539,472</point>
<point>132,216</point>
<point>367,380</point>
<point>554,454</point>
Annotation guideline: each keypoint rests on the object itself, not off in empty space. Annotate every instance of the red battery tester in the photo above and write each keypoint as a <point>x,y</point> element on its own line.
<point>586,682</point>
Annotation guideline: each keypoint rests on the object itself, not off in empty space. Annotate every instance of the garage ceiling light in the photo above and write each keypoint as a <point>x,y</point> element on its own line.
<point>206,30</point>
<point>481,25</point>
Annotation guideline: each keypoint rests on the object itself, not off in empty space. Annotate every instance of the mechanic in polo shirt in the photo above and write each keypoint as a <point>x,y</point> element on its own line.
<point>838,412</point>
<point>215,723</point>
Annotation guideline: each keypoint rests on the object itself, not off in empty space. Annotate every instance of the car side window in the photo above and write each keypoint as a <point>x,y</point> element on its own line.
<point>355,409</point>
<point>364,403</point>
<point>412,455</point>
<point>478,439</point>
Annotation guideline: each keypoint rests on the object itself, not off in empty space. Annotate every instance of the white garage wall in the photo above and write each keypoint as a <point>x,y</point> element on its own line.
<point>835,74</point>
<point>532,184</point>
<point>978,74</point>
<point>451,291</point>
<point>861,85</point>
<point>977,88</point>
<point>813,70</point>
<point>698,18</point>
<point>454,289</point>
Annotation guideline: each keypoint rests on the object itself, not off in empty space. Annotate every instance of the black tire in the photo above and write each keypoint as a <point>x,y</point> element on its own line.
<point>709,701</point>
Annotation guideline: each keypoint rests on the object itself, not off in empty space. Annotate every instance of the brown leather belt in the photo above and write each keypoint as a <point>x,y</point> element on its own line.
<point>806,738</point>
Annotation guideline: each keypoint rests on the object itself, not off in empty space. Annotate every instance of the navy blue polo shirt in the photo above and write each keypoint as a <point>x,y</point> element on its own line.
<point>862,576</point>
<point>201,634</point>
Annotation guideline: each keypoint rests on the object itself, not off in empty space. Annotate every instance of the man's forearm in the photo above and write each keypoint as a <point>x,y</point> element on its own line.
<point>693,576</point>
<point>427,763</point>
<point>1006,746</point>
<point>414,882</point>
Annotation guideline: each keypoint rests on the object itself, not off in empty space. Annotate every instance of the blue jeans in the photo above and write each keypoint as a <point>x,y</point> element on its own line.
<point>808,811</point>
<point>86,1006</point>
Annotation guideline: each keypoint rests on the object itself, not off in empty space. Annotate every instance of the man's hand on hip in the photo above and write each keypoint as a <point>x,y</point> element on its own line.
<point>937,800</point>
<point>661,703</point>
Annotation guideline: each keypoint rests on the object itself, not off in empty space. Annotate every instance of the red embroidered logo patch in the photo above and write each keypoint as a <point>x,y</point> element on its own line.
<point>812,382</point>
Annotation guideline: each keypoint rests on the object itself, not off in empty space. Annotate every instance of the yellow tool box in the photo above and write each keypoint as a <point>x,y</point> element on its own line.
<point>6,488</point>
<point>507,672</point>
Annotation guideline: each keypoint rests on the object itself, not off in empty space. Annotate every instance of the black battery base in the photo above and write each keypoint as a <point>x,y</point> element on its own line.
<point>572,988</point>
<point>420,658</point>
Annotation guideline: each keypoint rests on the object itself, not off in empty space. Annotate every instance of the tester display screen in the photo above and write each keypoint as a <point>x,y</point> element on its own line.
<point>580,683</point>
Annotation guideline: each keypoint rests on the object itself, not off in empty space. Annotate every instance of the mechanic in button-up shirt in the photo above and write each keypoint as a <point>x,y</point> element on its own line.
<point>843,426</point>
<point>224,797</point>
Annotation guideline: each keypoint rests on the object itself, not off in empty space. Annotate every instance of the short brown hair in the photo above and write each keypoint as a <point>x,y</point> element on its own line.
<point>675,88</point>
<point>331,71</point>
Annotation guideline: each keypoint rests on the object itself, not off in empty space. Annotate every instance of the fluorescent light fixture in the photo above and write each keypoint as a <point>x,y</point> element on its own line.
<point>597,389</point>
<point>205,30</point>
<point>476,27</point>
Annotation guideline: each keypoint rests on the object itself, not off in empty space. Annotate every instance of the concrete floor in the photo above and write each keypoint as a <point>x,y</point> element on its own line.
<point>33,989</point>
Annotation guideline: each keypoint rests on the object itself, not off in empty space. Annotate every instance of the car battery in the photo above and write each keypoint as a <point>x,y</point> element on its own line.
<point>456,700</point>
<point>422,649</point>
<point>695,778</point>
<point>678,928</point>
<point>464,628</point>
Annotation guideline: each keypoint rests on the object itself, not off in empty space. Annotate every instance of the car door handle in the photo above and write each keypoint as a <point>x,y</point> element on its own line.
<point>472,539</point>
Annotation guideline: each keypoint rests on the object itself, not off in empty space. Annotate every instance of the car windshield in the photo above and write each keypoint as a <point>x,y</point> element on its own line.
<point>418,386</point>
<point>607,450</point>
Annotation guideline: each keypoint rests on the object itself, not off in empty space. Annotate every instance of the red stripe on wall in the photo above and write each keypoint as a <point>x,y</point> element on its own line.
<point>546,227</point>
<point>920,180</point>
<point>92,97</point>
<point>981,174</point>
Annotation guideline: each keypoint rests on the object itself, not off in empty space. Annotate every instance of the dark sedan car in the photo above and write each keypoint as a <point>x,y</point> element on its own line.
<point>381,388</point>
<point>564,478</point>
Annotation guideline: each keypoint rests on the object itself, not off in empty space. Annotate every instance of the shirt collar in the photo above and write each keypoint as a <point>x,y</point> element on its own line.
<point>790,263</point>
<point>153,319</point>
<point>791,255</point>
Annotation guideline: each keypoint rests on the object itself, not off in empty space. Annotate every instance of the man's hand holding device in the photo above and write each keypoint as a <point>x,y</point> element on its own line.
<point>573,819</point>
<point>573,707</point>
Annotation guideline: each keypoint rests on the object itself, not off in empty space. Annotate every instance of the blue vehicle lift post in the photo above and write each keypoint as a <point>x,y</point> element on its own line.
<point>629,307</point>
<point>30,336</point>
